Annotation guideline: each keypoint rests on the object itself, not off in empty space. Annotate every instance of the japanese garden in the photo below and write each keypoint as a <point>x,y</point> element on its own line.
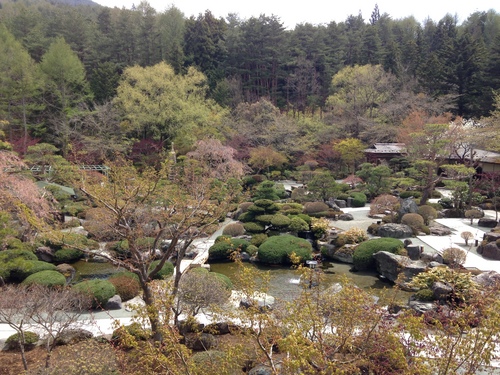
<point>185,194</point>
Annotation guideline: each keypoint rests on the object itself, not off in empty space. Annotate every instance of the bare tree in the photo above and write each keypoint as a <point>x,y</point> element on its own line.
<point>16,312</point>
<point>55,312</point>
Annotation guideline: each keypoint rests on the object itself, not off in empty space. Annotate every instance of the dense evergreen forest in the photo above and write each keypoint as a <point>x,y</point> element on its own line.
<point>71,73</point>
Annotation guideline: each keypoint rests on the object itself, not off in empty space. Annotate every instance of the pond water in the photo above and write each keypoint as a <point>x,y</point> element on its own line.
<point>93,270</point>
<point>285,281</point>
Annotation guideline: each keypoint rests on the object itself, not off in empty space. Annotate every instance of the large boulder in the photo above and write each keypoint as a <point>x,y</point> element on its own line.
<point>491,236</point>
<point>488,279</point>
<point>67,270</point>
<point>441,290</point>
<point>45,254</point>
<point>421,307</point>
<point>73,336</point>
<point>395,230</point>
<point>432,257</point>
<point>489,251</point>
<point>344,254</point>
<point>261,370</point>
<point>346,217</point>
<point>487,222</point>
<point>407,206</point>
<point>114,303</point>
<point>340,203</point>
<point>391,265</point>
<point>197,342</point>
<point>439,230</point>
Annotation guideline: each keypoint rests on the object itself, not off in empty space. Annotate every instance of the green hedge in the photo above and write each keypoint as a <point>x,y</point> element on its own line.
<point>223,247</point>
<point>358,199</point>
<point>99,290</point>
<point>277,249</point>
<point>30,340</point>
<point>363,255</point>
<point>46,278</point>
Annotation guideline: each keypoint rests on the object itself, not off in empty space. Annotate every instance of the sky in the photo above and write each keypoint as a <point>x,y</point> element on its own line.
<point>320,11</point>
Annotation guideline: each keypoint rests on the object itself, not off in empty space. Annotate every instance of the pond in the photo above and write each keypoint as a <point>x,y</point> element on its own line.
<point>285,281</point>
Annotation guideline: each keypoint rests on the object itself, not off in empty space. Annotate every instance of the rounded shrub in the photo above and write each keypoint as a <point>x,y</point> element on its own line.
<point>306,218</point>
<point>244,206</point>
<point>428,213</point>
<point>298,225</point>
<point>454,256</point>
<point>126,284</point>
<point>277,249</point>
<point>30,340</point>
<point>311,208</point>
<point>291,208</point>
<point>127,336</point>
<point>67,255</point>
<point>233,230</point>
<point>363,255</point>
<point>409,194</point>
<point>252,250</point>
<point>359,199</point>
<point>264,219</point>
<point>221,250</point>
<point>252,227</point>
<point>280,221</point>
<point>414,221</point>
<point>100,291</point>
<point>7,255</point>
<point>46,278</point>
<point>373,229</point>
<point>20,268</point>
<point>223,278</point>
<point>166,271</point>
<point>258,239</point>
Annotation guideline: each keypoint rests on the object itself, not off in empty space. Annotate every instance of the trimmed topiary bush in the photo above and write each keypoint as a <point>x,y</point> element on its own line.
<point>126,284</point>
<point>100,291</point>
<point>46,278</point>
<point>359,199</point>
<point>280,222</point>
<point>363,255</point>
<point>20,268</point>
<point>166,271</point>
<point>312,208</point>
<point>298,225</point>
<point>408,194</point>
<point>252,227</point>
<point>291,208</point>
<point>252,250</point>
<point>258,239</point>
<point>428,213</point>
<point>226,280</point>
<point>454,256</point>
<point>233,230</point>
<point>414,221</point>
<point>277,249</point>
<point>264,219</point>
<point>221,250</point>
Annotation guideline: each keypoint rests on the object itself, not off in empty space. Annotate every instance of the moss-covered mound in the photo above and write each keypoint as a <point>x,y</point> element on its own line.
<point>363,255</point>
<point>277,249</point>
<point>224,246</point>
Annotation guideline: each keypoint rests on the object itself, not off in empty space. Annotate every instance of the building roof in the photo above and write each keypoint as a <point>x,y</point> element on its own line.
<point>387,148</point>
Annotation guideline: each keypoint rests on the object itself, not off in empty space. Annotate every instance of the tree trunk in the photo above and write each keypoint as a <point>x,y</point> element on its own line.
<point>151,310</point>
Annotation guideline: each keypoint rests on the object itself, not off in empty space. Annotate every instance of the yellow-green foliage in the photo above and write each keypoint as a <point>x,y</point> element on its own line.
<point>463,284</point>
<point>319,226</point>
<point>352,236</point>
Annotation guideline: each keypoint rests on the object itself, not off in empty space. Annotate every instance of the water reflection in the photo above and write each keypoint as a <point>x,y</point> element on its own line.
<point>285,282</point>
